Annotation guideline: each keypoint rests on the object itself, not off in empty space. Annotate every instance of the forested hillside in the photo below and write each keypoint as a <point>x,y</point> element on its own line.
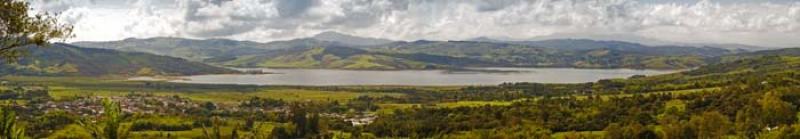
<point>747,98</point>
<point>776,52</point>
<point>384,54</point>
<point>335,57</point>
<point>64,59</point>
<point>195,50</point>
<point>565,53</point>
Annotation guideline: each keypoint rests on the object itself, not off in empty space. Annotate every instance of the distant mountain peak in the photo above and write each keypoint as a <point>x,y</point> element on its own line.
<point>331,34</point>
<point>349,39</point>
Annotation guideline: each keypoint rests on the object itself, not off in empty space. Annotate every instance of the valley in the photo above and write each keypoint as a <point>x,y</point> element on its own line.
<point>399,69</point>
<point>321,51</point>
<point>377,111</point>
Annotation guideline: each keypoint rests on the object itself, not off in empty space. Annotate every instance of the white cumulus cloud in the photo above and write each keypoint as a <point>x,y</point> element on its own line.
<point>774,23</point>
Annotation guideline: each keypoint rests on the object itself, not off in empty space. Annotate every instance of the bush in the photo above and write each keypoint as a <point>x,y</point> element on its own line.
<point>155,126</point>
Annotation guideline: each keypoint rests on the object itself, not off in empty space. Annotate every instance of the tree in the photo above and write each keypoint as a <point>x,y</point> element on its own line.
<point>313,126</point>
<point>50,121</point>
<point>210,106</point>
<point>259,131</point>
<point>280,132</point>
<point>527,131</point>
<point>647,134</point>
<point>673,128</point>
<point>710,125</point>
<point>614,131</point>
<point>18,29</point>
<point>748,122</point>
<point>215,132</point>
<point>776,111</point>
<point>303,124</point>
<point>109,126</point>
<point>8,125</point>
<point>300,121</point>
<point>632,131</point>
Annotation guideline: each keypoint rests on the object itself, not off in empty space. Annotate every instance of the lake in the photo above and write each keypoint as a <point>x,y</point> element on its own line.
<point>474,76</point>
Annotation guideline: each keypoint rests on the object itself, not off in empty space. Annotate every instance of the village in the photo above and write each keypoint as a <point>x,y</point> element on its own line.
<point>37,99</point>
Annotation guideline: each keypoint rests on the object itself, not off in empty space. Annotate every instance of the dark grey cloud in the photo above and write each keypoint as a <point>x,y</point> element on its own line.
<point>291,8</point>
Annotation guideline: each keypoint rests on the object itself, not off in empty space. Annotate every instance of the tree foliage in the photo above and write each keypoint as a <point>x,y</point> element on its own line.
<point>109,124</point>
<point>9,129</point>
<point>18,29</point>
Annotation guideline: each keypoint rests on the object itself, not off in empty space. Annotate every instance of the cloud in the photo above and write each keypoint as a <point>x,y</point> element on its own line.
<point>290,8</point>
<point>494,5</point>
<point>766,23</point>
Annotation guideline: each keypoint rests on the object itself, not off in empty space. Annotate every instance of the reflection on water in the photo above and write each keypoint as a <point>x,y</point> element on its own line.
<point>472,76</point>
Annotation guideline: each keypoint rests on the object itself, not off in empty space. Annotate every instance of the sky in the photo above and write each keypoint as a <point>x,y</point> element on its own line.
<point>767,23</point>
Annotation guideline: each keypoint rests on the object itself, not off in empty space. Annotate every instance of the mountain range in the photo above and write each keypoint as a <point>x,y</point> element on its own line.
<point>341,51</point>
<point>65,59</point>
<point>331,50</point>
<point>350,40</point>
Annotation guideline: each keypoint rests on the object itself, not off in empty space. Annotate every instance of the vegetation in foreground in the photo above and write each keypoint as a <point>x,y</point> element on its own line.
<point>747,98</point>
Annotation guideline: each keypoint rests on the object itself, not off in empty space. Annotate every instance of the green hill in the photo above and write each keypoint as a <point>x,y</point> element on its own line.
<point>568,53</point>
<point>585,44</point>
<point>349,39</point>
<point>761,64</point>
<point>757,67</point>
<point>64,59</point>
<point>343,58</point>
<point>776,52</point>
<point>194,50</point>
<point>320,53</point>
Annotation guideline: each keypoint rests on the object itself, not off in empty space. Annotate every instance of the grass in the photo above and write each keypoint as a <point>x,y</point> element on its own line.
<point>265,129</point>
<point>677,104</point>
<point>690,91</point>
<point>389,108</point>
<point>70,132</point>
<point>283,94</point>
<point>68,87</point>
<point>675,92</point>
<point>165,119</point>
<point>75,131</point>
<point>473,104</point>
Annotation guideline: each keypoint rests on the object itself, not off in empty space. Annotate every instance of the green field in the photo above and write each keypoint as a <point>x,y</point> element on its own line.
<point>66,87</point>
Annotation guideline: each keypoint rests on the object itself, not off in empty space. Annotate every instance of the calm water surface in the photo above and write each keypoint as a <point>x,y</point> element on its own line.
<point>321,77</point>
